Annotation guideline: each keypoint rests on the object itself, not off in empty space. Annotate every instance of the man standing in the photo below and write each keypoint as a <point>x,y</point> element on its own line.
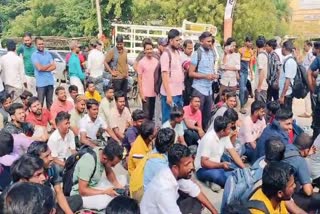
<point>117,64</point>
<point>74,68</point>
<point>186,61</point>
<point>287,75</point>
<point>12,72</point>
<point>61,103</point>
<point>26,50</point>
<point>43,66</point>
<point>172,75</point>
<point>202,70</point>
<point>261,74</point>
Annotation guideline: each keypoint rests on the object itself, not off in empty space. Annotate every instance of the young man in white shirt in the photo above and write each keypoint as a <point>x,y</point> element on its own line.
<point>162,195</point>
<point>261,74</point>
<point>12,72</point>
<point>208,159</point>
<point>62,142</point>
<point>175,123</point>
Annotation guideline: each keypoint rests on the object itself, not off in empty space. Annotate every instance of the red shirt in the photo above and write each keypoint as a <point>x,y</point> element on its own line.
<point>45,118</point>
<point>57,106</point>
<point>291,136</point>
<point>195,117</point>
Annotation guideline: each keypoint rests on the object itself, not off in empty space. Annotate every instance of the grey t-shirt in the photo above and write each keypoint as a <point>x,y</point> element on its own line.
<point>313,161</point>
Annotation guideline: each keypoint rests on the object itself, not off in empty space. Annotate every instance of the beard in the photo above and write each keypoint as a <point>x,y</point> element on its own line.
<point>38,112</point>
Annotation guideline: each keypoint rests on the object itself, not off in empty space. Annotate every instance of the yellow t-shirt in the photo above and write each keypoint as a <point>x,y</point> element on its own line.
<point>138,150</point>
<point>246,54</point>
<point>96,96</point>
<point>260,196</point>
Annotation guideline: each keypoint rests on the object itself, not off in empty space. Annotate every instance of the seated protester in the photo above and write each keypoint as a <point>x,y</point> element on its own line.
<point>61,142</point>
<point>77,114</point>
<point>162,193</point>
<point>231,102</point>
<point>251,128</point>
<point>314,163</point>
<point>38,116</point>
<point>91,92</point>
<point>272,108</point>
<point>211,147</point>
<point>53,178</point>
<point>142,145</point>
<point>107,103</point>
<point>95,196</point>
<point>123,205</point>
<point>6,101</point>
<point>138,117</point>
<point>25,96</point>
<point>61,103</point>
<point>91,124</point>
<point>193,122</point>
<point>222,97</point>
<point>73,93</point>
<point>6,147</point>
<point>176,123</point>
<point>277,187</point>
<point>281,126</point>
<point>120,116</point>
<point>39,199</point>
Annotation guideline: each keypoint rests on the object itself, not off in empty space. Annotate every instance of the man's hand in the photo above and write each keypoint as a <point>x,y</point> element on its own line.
<point>114,73</point>
<point>143,98</point>
<point>225,165</point>
<point>312,151</point>
<point>110,191</point>
<point>169,100</point>
<point>201,133</point>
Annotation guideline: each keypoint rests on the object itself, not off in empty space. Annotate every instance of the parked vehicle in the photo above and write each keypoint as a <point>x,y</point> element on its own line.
<point>60,72</point>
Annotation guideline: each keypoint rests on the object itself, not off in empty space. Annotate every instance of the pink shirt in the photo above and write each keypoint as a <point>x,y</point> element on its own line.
<point>176,75</point>
<point>249,131</point>
<point>57,106</point>
<point>194,117</point>
<point>146,68</point>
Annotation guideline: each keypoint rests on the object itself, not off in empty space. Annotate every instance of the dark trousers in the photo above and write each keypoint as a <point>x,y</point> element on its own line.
<point>5,177</point>
<point>287,103</point>
<point>188,205</point>
<point>261,96</point>
<point>315,105</point>
<point>272,94</point>
<point>149,107</point>
<point>75,203</point>
<point>205,106</point>
<point>307,203</point>
<point>45,92</point>
<point>191,137</point>
<point>121,85</point>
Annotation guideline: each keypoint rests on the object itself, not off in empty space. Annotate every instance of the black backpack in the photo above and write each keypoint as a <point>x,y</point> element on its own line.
<point>300,83</point>
<point>158,74</point>
<point>70,164</point>
<point>273,74</point>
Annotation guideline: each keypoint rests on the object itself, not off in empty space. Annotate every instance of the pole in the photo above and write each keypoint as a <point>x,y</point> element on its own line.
<point>99,17</point>
<point>228,14</point>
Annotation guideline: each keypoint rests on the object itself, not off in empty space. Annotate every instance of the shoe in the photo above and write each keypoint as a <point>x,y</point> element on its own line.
<point>214,187</point>
<point>243,111</point>
<point>304,115</point>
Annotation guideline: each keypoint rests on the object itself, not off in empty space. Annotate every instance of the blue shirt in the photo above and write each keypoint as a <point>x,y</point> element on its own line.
<point>75,67</point>
<point>206,66</point>
<point>152,167</point>
<point>43,78</point>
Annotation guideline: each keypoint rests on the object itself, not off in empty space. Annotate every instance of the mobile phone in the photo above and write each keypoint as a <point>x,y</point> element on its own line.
<point>120,191</point>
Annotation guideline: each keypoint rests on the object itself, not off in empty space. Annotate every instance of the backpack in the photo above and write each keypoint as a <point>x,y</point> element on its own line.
<point>158,74</point>
<point>273,74</point>
<point>113,64</point>
<point>136,179</point>
<point>240,184</point>
<point>70,164</point>
<point>300,83</point>
<point>257,205</point>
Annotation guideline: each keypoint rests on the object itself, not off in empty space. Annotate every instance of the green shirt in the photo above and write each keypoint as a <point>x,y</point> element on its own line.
<point>75,67</point>
<point>27,53</point>
<point>84,170</point>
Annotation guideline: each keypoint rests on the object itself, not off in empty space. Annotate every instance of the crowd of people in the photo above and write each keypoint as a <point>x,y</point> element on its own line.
<point>59,156</point>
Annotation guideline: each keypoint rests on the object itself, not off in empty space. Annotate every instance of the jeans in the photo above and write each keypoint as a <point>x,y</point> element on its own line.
<point>205,107</point>
<point>165,108</point>
<point>217,176</point>
<point>307,203</point>
<point>45,92</point>
<point>191,137</point>
<point>121,85</point>
<point>287,103</point>
<point>248,151</point>
<point>75,203</point>
<point>315,116</point>
<point>149,107</point>
<point>272,94</point>
<point>243,83</point>
<point>188,204</point>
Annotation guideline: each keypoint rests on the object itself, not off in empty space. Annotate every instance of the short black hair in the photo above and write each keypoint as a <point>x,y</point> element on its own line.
<point>275,178</point>
<point>119,94</point>
<point>257,105</point>
<point>107,88</point>
<point>15,106</point>
<point>186,42</point>
<point>260,43</point>
<point>308,42</point>
<point>147,43</point>
<point>193,97</point>
<point>288,45</point>
<point>231,114</point>
<point>91,102</point>
<point>316,45</point>
<point>230,94</point>
<point>138,114</point>
<point>36,148</point>
<point>27,34</point>
<point>226,91</point>
<point>25,167</point>
<point>11,45</point>
<point>176,153</point>
<point>205,35</point>
<point>221,123</point>
<point>89,82</point>
<point>164,140</point>
<point>229,41</point>
<point>272,43</point>
<point>25,94</point>
<point>274,149</point>
<point>73,88</point>
<point>39,199</point>
<point>37,39</point>
<point>61,116</point>
<point>303,141</point>
<point>112,150</point>
<point>283,114</point>
<point>147,129</point>
<point>119,39</point>
<point>6,143</point>
<point>32,100</point>
<point>4,97</point>
<point>123,205</point>
<point>248,39</point>
<point>176,112</point>
<point>59,88</point>
<point>273,106</point>
<point>173,33</point>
